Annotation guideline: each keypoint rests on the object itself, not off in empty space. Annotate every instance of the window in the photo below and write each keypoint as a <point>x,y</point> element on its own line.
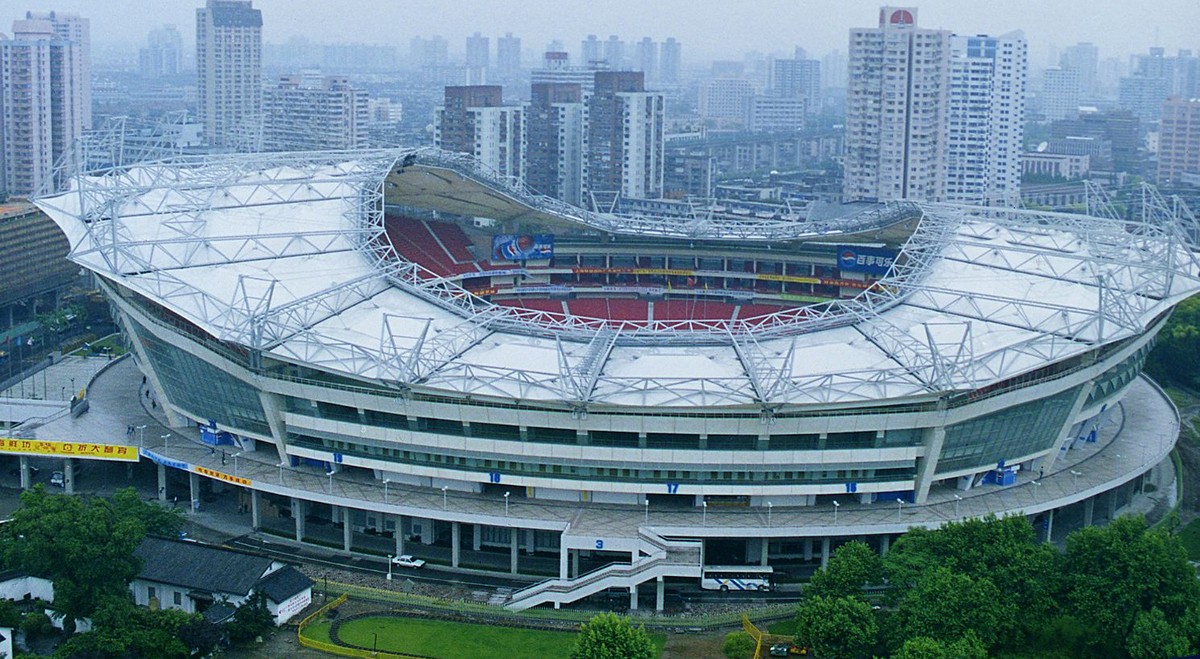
<point>151,592</point>
<point>178,598</point>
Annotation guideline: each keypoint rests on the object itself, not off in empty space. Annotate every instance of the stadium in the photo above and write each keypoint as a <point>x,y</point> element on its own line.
<point>659,393</point>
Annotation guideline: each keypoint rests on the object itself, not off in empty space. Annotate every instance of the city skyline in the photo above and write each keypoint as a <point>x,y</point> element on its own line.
<point>715,31</point>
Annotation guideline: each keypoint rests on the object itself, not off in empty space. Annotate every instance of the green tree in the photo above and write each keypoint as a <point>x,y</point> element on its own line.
<point>946,605</point>
<point>1153,637</point>
<point>738,645</point>
<point>838,628</point>
<point>250,620</point>
<point>923,647</point>
<point>853,566</point>
<point>123,630</point>
<point>155,519</point>
<point>1176,356</point>
<point>1115,572</point>
<point>610,636</point>
<point>82,545</point>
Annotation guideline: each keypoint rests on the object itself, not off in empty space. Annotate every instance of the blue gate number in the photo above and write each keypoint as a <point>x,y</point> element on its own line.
<point>494,477</point>
<point>337,458</point>
<point>599,544</point>
<point>672,488</point>
<point>851,487</point>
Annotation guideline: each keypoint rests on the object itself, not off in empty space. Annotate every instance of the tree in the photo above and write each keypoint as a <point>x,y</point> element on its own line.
<point>851,567</point>
<point>923,647</point>
<point>82,545</point>
<point>1115,572</point>
<point>200,635</point>
<point>739,645</point>
<point>1155,638</point>
<point>839,628</point>
<point>1176,356</point>
<point>610,636</point>
<point>946,605</point>
<point>250,620</point>
<point>123,630</point>
<point>155,519</point>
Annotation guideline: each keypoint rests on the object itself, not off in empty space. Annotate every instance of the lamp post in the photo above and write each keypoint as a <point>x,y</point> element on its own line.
<point>235,463</point>
<point>899,508</point>
<point>444,488</point>
<point>769,507</point>
<point>1036,485</point>
<point>957,499</point>
<point>506,503</point>
<point>1075,479</point>
<point>704,513</point>
<point>331,481</point>
<point>389,577</point>
<point>281,473</point>
<point>836,506</point>
<point>165,438</point>
<point>385,493</point>
<point>142,435</point>
<point>646,505</point>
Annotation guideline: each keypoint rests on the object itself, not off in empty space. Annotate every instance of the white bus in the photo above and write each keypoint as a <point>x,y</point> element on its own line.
<point>736,577</point>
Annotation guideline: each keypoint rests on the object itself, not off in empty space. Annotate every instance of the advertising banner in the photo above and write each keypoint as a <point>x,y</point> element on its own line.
<point>85,450</point>
<point>871,260</point>
<point>523,247</point>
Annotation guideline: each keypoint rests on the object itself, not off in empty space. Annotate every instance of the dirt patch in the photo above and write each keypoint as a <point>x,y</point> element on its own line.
<point>707,644</point>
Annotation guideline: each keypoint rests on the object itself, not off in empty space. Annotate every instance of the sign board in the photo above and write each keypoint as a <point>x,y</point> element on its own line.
<point>870,260</point>
<point>212,473</point>
<point>523,247</point>
<point>85,450</point>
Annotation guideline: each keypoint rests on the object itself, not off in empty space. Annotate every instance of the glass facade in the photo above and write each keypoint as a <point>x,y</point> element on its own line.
<point>201,388</point>
<point>1120,375</point>
<point>1005,435</point>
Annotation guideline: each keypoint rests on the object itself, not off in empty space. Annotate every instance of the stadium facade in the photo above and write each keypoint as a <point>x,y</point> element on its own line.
<point>347,311</point>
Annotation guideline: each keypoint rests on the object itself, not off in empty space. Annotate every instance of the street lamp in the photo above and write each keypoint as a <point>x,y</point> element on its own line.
<point>836,505</point>
<point>769,507</point>
<point>331,481</point>
<point>385,497</point>
<point>899,508</point>
<point>142,435</point>
<point>1075,479</point>
<point>1036,485</point>
<point>956,500</point>
<point>235,463</point>
<point>704,512</point>
<point>444,488</point>
<point>281,473</point>
<point>506,503</point>
<point>646,505</point>
<point>389,578</point>
<point>165,438</point>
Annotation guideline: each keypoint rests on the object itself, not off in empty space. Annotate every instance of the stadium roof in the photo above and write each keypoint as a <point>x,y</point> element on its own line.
<point>286,253</point>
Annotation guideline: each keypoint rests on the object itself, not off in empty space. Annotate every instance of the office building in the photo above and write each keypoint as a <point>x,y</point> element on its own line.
<point>1179,140</point>
<point>556,69</point>
<point>163,54</point>
<point>776,114</point>
<point>986,120</point>
<point>40,102</point>
<point>670,61</point>
<point>896,110</point>
<point>726,98</point>
<point>1084,58</point>
<point>314,113</point>
<point>228,70</point>
<point>625,136</point>
<point>556,141</point>
<point>1060,93</point>
<point>474,120</point>
<point>797,78</point>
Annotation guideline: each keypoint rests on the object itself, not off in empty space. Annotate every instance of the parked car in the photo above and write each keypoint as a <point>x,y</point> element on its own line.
<point>407,561</point>
<point>57,479</point>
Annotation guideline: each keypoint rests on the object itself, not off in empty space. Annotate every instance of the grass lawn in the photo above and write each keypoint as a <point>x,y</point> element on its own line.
<point>319,631</point>
<point>783,627</point>
<point>451,640</point>
<point>112,341</point>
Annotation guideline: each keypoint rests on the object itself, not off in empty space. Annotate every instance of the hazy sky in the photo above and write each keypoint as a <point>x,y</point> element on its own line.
<point>707,28</point>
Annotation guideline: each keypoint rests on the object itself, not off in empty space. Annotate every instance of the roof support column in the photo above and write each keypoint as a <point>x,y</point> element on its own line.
<point>927,465</point>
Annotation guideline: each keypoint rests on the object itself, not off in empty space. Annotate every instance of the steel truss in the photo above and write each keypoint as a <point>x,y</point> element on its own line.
<point>1132,269</point>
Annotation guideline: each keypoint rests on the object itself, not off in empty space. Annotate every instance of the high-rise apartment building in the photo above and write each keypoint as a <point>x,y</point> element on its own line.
<point>986,120</point>
<point>798,78</point>
<point>76,30</point>
<point>933,117</point>
<point>1083,57</point>
<point>591,50</point>
<point>1060,93</point>
<point>614,52</point>
<point>228,69</point>
<point>670,60</point>
<point>434,51</point>
<point>646,59</point>
<point>726,98</point>
<point>1179,140</point>
<point>163,54</point>
<point>625,136</point>
<point>556,141</point>
<point>474,120</point>
<point>478,51</point>
<point>896,109</point>
<point>557,69</point>
<point>314,113</point>
<point>40,103</point>
<point>508,56</point>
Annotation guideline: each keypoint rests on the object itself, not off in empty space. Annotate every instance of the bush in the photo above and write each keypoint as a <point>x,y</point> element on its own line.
<point>739,645</point>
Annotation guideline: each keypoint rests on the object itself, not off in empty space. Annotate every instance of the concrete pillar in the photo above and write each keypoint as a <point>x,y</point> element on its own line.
<point>162,483</point>
<point>399,534</point>
<point>335,515</point>
<point>25,484</point>
<point>1112,503</point>
<point>935,438</point>
<point>194,489</point>
<point>660,598</point>
<point>69,475</point>
<point>765,546</point>
<point>298,515</point>
<point>633,597</point>
<point>825,542</point>
<point>512,550</point>
<point>575,563</point>
<point>427,534</point>
<point>476,536</point>
<point>255,510</point>
<point>529,541</point>
<point>347,529</point>
<point>455,543</point>
<point>564,553</point>
<point>1089,508</point>
<point>885,542</point>
<point>808,549</point>
<point>1049,524</point>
